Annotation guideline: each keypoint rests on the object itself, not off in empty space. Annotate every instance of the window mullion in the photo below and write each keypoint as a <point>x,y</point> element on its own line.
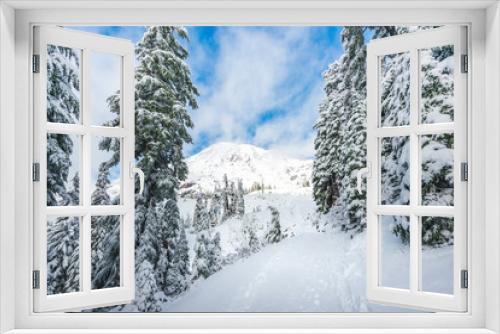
<point>414,172</point>
<point>85,237</point>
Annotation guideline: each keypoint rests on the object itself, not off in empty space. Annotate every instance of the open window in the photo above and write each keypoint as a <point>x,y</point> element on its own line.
<point>75,217</point>
<point>406,139</point>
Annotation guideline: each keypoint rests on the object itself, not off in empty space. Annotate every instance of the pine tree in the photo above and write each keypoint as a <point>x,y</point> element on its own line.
<point>63,106</point>
<point>201,263</point>
<point>173,278</point>
<point>201,220</point>
<point>164,92</point>
<point>225,201</point>
<point>63,258</point>
<point>214,252</point>
<point>105,247</point>
<point>341,134</point>
<point>240,201</point>
<point>146,289</point>
<point>250,240</point>
<point>274,234</point>
<point>214,212</point>
<point>182,263</point>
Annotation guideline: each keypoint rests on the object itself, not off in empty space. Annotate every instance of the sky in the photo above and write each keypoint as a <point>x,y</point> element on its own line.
<point>257,85</point>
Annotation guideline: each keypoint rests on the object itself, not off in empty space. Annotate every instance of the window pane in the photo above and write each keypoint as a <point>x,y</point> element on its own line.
<point>105,89</point>
<point>395,89</point>
<point>437,169</point>
<point>63,169</point>
<point>105,251</point>
<point>436,84</point>
<point>63,255</point>
<point>395,171</point>
<point>394,252</point>
<point>63,84</point>
<point>437,254</point>
<point>106,179</point>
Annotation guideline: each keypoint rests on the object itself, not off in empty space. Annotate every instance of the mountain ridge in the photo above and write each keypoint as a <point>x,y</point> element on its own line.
<point>251,164</point>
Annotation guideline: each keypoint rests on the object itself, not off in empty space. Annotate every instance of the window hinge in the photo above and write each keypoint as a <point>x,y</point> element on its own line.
<point>464,279</point>
<point>465,64</point>
<point>464,171</point>
<point>36,172</point>
<point>36,64</point>
<point>36,279</point>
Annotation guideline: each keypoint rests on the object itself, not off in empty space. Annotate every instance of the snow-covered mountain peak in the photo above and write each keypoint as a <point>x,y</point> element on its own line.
<point>253,165</point>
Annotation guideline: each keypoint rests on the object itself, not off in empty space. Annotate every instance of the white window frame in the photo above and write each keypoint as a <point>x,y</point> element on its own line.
<point>86,296</point>
<point>16,20</point>
<point>412,44</point>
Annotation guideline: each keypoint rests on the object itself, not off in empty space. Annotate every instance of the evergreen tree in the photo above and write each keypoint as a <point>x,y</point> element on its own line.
<point>164,92</point>
<point>201,220</point>
<point>105,247</point>
<point>341,133</point>
<point>146,289</point>
<point>240,201</point>
<point>63,106</point>
<point>215,209</point>
<point>225,201</point>
<point>251,243</point>
<point>274,234</point>
<point>63,258</point>
<point>172,277</point>
<point>214,252</point>
<point>63,241</point>
<point>181,262</point>
<point>201,262</point>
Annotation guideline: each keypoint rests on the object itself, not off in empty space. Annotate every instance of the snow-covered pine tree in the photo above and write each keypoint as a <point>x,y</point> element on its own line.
<point>182,262</point>
<point>100,195</point>
<point>437,150</point>
<point>200,266</point>
<point>233,199</point>
<point>63,251</point>
<point>173,279</point>
<point>63,106</point>
<point>325,186</point>
<point>201,218</point>
<point>341,133</point>
<point>251,243</point>
<point>240,200</point>
<point>214,212</point>
<point>105,232</point>
<point>146,289</point>
<point>214,252</point>
<point>148,297</point>
<point>106,253</point>
<point>225,202</point>
<point>164,92</point>
<point>274,234</point>
<point>63,258</point>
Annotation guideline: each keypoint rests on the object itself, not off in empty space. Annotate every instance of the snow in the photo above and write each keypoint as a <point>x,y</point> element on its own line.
<point>313,272</point>
<point>317,268</point>
<point>252,164</point>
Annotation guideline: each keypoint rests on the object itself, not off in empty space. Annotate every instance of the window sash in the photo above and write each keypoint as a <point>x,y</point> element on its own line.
<point>85,297</point>
<point>414,297</point>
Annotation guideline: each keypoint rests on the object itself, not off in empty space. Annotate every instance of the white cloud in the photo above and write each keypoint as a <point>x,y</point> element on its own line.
<point>258,71</point>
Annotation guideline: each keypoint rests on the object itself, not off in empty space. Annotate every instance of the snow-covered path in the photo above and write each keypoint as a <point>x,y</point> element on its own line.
<point>300,274</point>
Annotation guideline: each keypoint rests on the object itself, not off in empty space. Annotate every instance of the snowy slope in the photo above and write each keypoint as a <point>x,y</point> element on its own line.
<point>312,272</point>
<point>251,164</point>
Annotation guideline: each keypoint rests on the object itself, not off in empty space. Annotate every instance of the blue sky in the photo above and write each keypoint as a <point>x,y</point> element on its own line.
<point>258,85</point>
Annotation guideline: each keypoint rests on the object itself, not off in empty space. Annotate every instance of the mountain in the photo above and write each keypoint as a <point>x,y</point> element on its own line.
<point>252,164</point>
